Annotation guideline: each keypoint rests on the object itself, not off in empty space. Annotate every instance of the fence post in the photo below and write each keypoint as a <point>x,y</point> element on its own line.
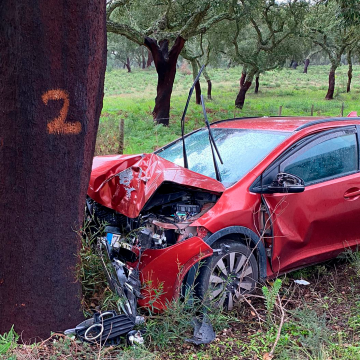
<point>312,110</point>
<point>280,110</point>
<point>121,136</point>
<point>342,109</point>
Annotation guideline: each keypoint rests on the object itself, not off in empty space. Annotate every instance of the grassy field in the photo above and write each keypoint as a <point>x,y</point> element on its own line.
<point>321,321</point>
<point>131,96</point>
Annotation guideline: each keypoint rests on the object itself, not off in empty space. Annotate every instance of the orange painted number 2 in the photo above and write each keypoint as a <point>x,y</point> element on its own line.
<point>58,124</point>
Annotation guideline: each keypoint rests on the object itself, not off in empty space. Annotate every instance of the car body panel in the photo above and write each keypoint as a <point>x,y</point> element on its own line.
<point>314,225</point>
<point>125,183</point>
<point>163,270</point>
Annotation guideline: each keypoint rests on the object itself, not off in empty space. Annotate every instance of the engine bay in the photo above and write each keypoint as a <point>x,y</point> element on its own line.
<point>164,221</point>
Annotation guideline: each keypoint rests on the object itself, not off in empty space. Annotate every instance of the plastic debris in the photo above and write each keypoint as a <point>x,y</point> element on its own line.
<point>203,331</point>
<point>301,282</point>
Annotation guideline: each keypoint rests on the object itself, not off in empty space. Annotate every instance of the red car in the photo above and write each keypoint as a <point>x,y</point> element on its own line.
<point>286,195</point>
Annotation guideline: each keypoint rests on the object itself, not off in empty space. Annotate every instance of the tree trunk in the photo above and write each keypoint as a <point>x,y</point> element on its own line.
<point>208,80</point>
<point>257,83</point>
<point>165,64</point>
<point>242,79</point>
<point>149,59</point>
<point>143,58</point>
<point>331,88</point>
<point>245,83</point>
<point>348,88</point>
<point>209,89</point>
<point>195,71</point>
<point>240,99</point>
<point>127,64</point>
<point>306,65</point>
<point>53,58</point>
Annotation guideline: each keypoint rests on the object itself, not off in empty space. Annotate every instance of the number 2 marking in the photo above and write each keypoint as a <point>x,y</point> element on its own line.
<point>58,124</point>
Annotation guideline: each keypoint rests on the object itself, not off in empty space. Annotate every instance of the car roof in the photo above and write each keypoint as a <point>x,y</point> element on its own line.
<point>286,124</point>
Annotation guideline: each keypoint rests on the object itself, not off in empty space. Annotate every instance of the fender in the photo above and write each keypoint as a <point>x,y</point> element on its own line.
<point>255,240</point>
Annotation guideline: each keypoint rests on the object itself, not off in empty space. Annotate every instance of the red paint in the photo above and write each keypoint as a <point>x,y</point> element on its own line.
<point>165,270</point>
<point>352,114</point>
<point>144,174</point>
<point>308,227</point>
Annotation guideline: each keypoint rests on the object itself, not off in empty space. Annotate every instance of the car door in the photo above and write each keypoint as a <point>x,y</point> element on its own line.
<point>317,224</point>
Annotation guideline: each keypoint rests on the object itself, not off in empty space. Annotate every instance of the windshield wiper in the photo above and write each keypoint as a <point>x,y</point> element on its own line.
<point>212,142</point>
<point>183,116</point>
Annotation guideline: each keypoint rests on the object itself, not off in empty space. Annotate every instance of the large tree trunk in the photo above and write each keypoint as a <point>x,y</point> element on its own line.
<point>165,64</point>
<point>306,65</point>
<point>257,83</point>
<point>53,57</point>
<point>331,88</point>
<point>348,88</point>
<point>149,59</point>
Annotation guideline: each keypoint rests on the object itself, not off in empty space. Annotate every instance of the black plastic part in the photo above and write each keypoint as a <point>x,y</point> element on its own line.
<point>145,238</point>
<point>188,208</point>
<point>203,331</point>
<point>183,116</point>
<point>114,328</point>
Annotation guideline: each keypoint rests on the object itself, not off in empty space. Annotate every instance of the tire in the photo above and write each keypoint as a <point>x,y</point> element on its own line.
<point>222,278</point>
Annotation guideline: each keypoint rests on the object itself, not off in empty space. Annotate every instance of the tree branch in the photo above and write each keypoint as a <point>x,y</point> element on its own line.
<point>126,30</point>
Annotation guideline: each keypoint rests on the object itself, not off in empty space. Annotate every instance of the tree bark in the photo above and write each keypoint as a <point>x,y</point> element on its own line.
<point>209,89</point>
<point>306,65</point>
<point>331,88</point>
<point>240,99</point>
<point>257,83</point>
<point>348,88</point>
<point>245,83</point>
<point>165,64</point>
<point>195,71</point>
<point>242,79</point>
<point>127,64</point>
<point>149,59</point>
<point>143,65</point>
<point>53,58</point>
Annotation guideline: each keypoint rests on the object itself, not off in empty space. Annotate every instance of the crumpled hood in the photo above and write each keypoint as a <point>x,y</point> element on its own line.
<point>126,182</point>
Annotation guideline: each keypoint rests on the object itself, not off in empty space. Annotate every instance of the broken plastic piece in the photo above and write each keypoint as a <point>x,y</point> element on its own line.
<point>105,328</point>
<point>203,331</point>
<point>135,337</point>
<point>301,282</point>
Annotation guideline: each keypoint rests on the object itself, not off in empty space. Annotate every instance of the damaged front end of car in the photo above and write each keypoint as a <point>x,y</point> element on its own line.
<point>149,205</point>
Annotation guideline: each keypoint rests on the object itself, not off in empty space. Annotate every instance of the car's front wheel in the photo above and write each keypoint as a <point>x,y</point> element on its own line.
<point>223,278</point>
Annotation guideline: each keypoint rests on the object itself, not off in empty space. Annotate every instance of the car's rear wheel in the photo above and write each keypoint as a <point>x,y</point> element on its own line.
<point>225,277</point>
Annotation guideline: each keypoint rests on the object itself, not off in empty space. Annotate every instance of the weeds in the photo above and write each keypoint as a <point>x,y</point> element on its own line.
<point>8,341</point>
<point>270,295</point>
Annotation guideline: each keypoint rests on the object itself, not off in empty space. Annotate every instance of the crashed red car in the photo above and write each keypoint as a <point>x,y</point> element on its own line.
<point>287,195</point>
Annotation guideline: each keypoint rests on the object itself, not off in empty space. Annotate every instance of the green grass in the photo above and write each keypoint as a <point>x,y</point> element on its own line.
<point>131,96</point>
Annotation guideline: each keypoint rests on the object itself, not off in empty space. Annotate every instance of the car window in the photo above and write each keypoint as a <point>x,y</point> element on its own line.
<point>330,158</point>
<point>240,149</point>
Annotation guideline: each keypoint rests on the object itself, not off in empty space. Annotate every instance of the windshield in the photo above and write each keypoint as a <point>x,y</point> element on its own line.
<point>240,150</point>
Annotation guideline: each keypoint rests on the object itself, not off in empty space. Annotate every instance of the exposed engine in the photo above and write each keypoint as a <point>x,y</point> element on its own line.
<point>165,220</point>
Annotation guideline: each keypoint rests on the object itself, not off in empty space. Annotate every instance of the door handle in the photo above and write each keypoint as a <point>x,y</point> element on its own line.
<point>352,193</point>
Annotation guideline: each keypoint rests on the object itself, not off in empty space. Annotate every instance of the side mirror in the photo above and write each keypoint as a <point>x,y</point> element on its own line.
<point>286,183</point>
